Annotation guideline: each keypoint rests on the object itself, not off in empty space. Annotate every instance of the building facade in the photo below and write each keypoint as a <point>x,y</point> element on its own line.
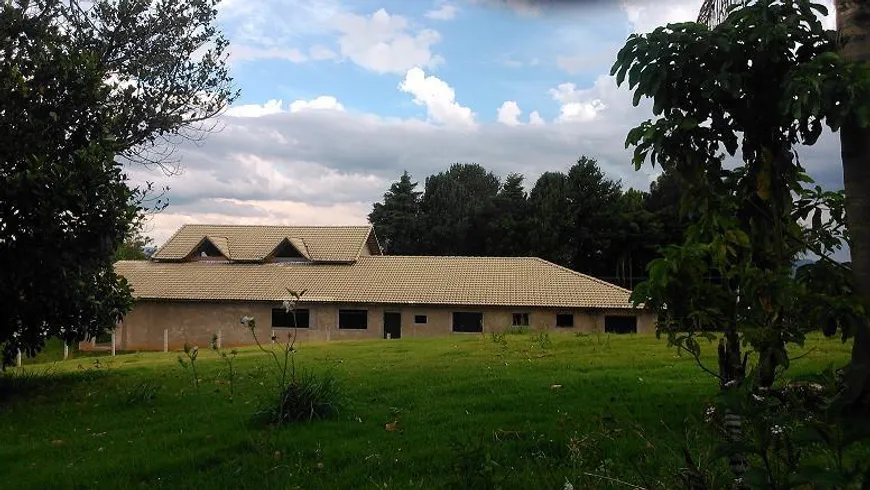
<point>206,278</point>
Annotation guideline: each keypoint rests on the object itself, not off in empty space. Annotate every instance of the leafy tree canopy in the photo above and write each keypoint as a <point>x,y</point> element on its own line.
<point>81,87</point>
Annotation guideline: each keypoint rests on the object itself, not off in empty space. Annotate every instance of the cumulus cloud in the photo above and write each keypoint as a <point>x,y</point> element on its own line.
<point>580,105</point>
<point>444,12</point>
<point>438,97</point>
<point>385,43</point>
<point>509,113</point>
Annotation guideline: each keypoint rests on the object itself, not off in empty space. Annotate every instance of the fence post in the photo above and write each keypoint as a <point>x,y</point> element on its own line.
<point>18,358</point>
<point>113,342</point>
<point>65,351</point>
<point>165,340</point>
<point>220,338</point>
<point>273,336</point>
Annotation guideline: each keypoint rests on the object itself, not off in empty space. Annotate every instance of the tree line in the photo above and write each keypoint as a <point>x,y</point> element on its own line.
<point>580,219</point>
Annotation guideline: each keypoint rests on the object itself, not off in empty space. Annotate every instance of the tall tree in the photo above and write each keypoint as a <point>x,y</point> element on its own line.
<point>752,83</point>
<point>397,218</point>
<point>509,230</point>
<point>593,201</point>
<point>80,85</point>
<point>456,206</point>
<point>853,26</point>
<point>663,201</point>
<point>549,203</point>
<point>636,239</point>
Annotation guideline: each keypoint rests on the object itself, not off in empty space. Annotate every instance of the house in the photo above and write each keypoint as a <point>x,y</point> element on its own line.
<point>205,278</point>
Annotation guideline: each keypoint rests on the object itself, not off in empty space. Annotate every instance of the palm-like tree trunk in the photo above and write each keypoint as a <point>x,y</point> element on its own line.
<point>853,26</point>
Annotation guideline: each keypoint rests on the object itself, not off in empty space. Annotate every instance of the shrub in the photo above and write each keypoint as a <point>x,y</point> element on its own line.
<point>499,338</point>
<point>542,338</point>
<point>306,397</point>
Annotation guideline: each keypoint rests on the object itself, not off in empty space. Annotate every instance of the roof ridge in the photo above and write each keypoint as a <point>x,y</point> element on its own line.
<point>462,257</point>
<point>269,226</point>
<point>586,276</point>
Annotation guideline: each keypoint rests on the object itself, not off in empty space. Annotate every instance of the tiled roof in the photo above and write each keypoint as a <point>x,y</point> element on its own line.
<point>520,281</point>
<point>253,243</point>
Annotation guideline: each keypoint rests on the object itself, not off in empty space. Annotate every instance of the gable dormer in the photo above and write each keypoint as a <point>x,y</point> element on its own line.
<point>289,249</point>
<point>210,248</point>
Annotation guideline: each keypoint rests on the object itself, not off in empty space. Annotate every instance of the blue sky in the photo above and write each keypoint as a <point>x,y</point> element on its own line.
<point>339,97</point>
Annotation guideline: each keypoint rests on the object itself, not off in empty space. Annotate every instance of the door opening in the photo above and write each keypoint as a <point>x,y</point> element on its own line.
<point>392,325</point>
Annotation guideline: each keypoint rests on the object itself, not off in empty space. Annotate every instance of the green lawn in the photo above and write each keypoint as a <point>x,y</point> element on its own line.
<point>472,414</point>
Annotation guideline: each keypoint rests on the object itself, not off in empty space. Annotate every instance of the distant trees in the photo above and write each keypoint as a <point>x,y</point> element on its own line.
<point>579,219</point>
<point>397,218</point>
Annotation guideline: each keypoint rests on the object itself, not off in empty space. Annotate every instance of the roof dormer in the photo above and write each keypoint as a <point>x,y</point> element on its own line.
<point>210,248</point>
<point>289,249</point>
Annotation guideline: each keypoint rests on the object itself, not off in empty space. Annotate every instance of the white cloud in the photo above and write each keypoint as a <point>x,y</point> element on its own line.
<point>445,12</point>
<point>438,97</point>
<point>386,43</point>
<point>323,102</point>
<point>275,106</point>
<point>645,15</point>
<point>272,106</point>
<point>580,105</point>
<point>319,52</point>
<point>509,113</point>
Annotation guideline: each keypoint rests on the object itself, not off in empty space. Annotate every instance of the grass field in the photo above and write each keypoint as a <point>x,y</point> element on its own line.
<point>472,413</point>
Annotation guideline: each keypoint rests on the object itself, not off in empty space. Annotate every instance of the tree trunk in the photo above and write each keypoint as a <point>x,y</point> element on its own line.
<point>853,26</point>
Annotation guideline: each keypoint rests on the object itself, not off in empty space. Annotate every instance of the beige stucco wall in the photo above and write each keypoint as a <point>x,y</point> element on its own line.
<point>196,322</point>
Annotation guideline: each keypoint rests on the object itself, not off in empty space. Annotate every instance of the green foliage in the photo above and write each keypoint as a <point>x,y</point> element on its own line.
<point>141,393</point>
<point>84,88</point>
<point>306,397</point>
<point>301,396</point>
<point>579,219</point>
<point>541,338</point>
<point>736,88</point>
<point>228,357</point>
<point>191,353</point>
<point>456,206</point>
<point>499,338</point>
<point>397,218</point>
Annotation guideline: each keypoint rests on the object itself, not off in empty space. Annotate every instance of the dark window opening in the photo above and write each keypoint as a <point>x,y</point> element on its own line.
<point>565,320</point>
<point>620,324</point>
<point>353,319</point>
<point>286,250</point>
<point>521,320</point>
<point>207,249</point>
<point>282,318</point>
<point>420,319</point>
<point>464,321</point>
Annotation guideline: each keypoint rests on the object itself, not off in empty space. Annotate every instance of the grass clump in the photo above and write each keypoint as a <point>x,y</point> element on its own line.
<point>306,397</point>
<point>141,393</point>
